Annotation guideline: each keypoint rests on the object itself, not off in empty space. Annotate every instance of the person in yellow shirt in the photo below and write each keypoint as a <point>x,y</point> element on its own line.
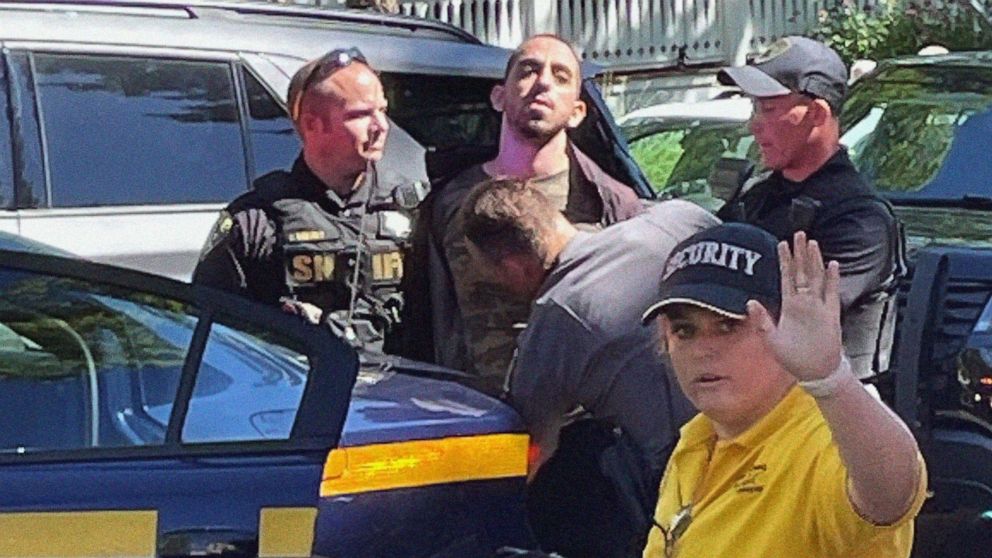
<point>789,456</point>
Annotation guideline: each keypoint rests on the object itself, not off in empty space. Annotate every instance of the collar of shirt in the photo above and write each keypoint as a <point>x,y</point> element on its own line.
<point>839,162</point>
<point>313,188</point>
<point>794,406</point>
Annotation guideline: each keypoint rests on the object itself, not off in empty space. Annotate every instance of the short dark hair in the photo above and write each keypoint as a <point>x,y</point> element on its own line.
<point>506,217</point>
<point>519,51</point>
<point>316,71</point>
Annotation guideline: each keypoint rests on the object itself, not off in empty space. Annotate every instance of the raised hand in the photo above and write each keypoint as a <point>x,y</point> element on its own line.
<point>807,338</point>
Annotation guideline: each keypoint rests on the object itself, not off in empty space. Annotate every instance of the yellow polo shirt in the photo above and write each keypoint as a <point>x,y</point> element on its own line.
<point>776,491</point>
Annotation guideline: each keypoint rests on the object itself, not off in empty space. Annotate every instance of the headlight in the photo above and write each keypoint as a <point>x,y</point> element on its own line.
<point>974,365</point>
<point>975,372</point>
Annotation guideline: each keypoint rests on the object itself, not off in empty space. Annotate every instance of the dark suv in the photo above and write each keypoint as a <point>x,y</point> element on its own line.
<point>919,129</point>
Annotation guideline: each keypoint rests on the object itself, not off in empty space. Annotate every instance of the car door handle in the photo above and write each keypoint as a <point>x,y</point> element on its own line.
<point>228,543</point>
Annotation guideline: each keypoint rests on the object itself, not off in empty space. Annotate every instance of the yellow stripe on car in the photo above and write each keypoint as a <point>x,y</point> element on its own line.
<point>78,533</point>
<point>357,469</point>
<point>285,532</point>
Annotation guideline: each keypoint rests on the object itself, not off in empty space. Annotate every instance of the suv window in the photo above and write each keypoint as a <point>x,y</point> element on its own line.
<point>171,126</point>
<point>274,143</point>
<point>451,116</point>
<point>679,158</point>
<point>30,182</point>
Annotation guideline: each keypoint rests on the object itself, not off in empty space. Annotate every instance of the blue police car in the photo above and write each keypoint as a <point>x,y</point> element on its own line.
<point>145,417</point>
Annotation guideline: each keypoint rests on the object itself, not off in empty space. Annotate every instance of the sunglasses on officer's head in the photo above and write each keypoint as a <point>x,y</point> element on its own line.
<point>322,68</point>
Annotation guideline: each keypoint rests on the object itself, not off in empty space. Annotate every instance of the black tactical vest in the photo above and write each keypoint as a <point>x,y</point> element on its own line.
<point>325,254</point>
<point>348,262</point>
<point>868,326</point>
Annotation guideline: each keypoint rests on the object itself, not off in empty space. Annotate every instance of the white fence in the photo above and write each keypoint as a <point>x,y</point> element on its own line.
<point>498,22</point>
<point>628,34</point>
<point>632,34</point>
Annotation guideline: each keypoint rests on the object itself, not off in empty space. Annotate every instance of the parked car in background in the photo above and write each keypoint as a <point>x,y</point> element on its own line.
<point>691,149</point>
<point>146,417</point>
<point>126,125</point>
<point>918,129</point>
<point>680,146</point>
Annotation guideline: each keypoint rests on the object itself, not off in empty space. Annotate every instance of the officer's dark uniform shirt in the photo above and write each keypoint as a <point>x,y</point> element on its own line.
<point>853,226</point>
<point>293,236</point>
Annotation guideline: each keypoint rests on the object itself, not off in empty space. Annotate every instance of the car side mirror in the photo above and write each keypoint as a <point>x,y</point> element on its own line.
<point>728,175</point>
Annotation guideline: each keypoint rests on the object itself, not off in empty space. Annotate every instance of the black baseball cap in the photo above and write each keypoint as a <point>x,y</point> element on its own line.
<point>720,269</point>
<point>792,64</point>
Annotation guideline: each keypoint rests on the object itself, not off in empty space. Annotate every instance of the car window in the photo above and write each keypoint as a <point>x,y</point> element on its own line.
<point>30,186</point>
<point>443,112</point>
<point>657,155</point>
<point>248,387</point>
<point>129,130</point>
<point>6,153</point>
<point>451,116</point>
<point>83,365</point>
<point>922,130</point>
<point>274,143</point>
<point>678,160</point>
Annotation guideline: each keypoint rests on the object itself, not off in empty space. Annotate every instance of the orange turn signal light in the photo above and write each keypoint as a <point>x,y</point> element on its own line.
<point>357,469</point>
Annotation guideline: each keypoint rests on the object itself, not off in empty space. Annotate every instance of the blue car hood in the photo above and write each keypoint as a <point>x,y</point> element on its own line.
<point>393,406</point>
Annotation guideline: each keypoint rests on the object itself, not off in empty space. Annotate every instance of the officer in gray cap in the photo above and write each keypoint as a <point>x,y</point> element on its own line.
<point>326,239</point>
<point>798,86</point>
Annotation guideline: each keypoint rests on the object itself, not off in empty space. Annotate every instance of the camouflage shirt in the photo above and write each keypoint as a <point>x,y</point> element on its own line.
<point>475,329</point>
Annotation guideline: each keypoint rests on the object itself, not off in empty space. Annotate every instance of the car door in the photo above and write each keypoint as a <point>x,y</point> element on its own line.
<point>145,417</point>
<point>131,152</point>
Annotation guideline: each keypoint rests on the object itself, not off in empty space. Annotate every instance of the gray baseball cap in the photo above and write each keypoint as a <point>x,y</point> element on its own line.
<point>792,64</point>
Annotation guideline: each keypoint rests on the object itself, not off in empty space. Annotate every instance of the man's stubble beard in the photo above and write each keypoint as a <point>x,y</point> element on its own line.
<point>538,131</point>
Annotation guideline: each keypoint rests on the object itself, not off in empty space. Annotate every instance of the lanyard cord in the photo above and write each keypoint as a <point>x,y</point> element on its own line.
<point>369,168</point>
<point>683,517</point>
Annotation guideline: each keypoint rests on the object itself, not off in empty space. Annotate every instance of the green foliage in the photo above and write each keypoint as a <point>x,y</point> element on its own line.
<point>900,27</point>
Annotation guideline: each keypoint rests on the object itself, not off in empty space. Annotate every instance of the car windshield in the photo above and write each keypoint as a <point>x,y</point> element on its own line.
<point>920,132</point>
<point>678,157</point>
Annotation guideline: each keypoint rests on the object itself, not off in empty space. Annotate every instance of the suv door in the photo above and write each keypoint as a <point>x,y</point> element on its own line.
<point>143,417</point>
<point>132,152</point>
